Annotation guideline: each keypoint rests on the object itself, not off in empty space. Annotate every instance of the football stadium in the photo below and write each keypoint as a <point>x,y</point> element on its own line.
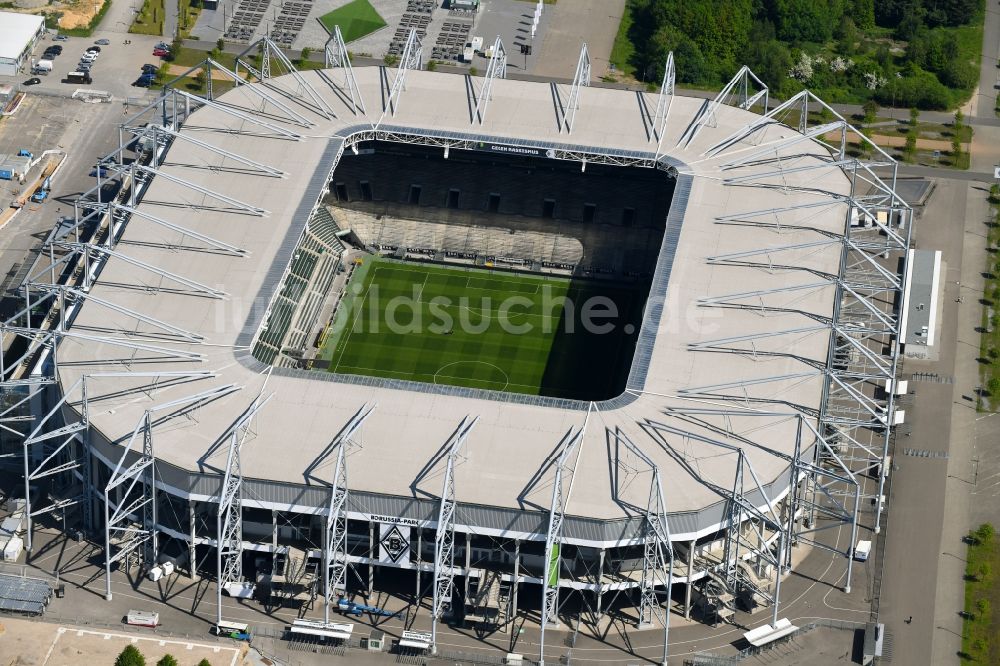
<point>512,347</point>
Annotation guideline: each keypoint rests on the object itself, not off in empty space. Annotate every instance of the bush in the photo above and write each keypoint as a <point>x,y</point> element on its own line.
<point>983,606</point>
<point>167,660</point>
<point>204,662</point>
<point>390,59</point>
<point>130,656</point>
<point>984,534</point>
<point>994,193</point>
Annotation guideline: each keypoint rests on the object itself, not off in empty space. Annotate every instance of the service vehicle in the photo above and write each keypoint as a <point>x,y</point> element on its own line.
<point>862,550</point>
<point>79,77</point>
<point>142,618</point>
<point>238,630</point>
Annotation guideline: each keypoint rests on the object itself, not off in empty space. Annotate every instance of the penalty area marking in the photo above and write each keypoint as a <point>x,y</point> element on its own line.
<point>448,365</point>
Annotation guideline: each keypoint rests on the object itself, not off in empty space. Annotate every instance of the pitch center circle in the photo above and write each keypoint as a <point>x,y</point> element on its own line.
<point>448,371</point>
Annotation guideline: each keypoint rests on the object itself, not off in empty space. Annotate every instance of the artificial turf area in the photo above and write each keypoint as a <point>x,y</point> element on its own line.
<point>356,19</point>
<point>483,329</point>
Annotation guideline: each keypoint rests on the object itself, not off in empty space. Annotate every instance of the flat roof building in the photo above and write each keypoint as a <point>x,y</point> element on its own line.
<point>18,35</point>
<point>920,309</point>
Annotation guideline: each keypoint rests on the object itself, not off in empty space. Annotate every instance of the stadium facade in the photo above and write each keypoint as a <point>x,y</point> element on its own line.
<point>157,390</point>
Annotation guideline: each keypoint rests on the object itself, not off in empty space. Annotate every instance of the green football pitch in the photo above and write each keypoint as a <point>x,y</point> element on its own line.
<point>484,329</point>
<point>356,19</point>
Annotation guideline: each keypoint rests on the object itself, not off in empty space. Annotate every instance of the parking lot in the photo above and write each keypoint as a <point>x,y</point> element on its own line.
<point>114,70</point>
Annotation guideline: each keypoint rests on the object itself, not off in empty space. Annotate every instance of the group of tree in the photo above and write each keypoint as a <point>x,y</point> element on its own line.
<point>131,656</point>
<point>907,51</point>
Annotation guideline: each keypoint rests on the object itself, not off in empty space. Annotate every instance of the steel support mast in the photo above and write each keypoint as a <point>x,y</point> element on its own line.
<point>335,547</point>
<point>444,536</point>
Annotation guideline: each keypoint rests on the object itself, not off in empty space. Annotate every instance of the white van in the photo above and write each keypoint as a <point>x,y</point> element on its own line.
<point>42,67</point>
<point>862,551</point>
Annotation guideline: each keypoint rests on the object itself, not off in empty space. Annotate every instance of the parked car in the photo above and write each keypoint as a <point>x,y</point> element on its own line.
<point>161,53</point>
<point>162,45</point>
<point>33,81</point>
<point>55,48</point>
<point>143,81</point>
<point>60,38</point>
<point>88,57</point>
<point>103,42</point>
<point>83,67</point>
<point>150,69</point>
<point>93,49</point>
<point>99,170</point>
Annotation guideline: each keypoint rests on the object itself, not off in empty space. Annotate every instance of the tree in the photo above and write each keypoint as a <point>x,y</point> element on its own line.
<point>306,52</point>
<point>130,656</point>
<point>914,115</point>
<point>201,78</point>
<point>204,662</point>
<point>805,20</point>
<point>863,13</point>
<point>983,606</point>
<point>985,533</point>
<point>959,119</point>
<point>871,111</point>
<point>167,660</point>
<point>220,44</point>
<point>911,145</point>
<point>956,145</point>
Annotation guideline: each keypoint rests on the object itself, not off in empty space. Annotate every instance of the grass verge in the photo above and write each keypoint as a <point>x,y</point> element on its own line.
<point>623,50</point>
<point>981,626</point>
<point>149,20</point>
<point>989,344</point>
<point>356,19</point>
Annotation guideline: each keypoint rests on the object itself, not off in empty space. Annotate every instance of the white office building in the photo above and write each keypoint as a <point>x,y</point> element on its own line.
<point>18,35</point>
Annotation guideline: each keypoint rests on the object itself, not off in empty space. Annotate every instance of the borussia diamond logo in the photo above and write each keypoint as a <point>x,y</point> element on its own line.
<point>394,544</point>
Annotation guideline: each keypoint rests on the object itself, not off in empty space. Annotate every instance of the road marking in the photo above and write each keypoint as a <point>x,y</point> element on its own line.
<point>51,648</point>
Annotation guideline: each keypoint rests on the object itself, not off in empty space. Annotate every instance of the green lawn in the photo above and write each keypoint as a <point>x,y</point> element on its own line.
<point>989,345</point>
<point>149,20</point>
<point>623,50</point>
<point>356,19</point>
<point>455,326</point>
<point>981,629</point>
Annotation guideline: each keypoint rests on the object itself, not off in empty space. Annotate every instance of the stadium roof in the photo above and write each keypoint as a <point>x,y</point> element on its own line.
<point>742,324</point>
<point>16,32</point>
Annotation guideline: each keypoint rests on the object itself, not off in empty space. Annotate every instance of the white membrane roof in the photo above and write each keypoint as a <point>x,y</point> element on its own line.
<point>507,461</point>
